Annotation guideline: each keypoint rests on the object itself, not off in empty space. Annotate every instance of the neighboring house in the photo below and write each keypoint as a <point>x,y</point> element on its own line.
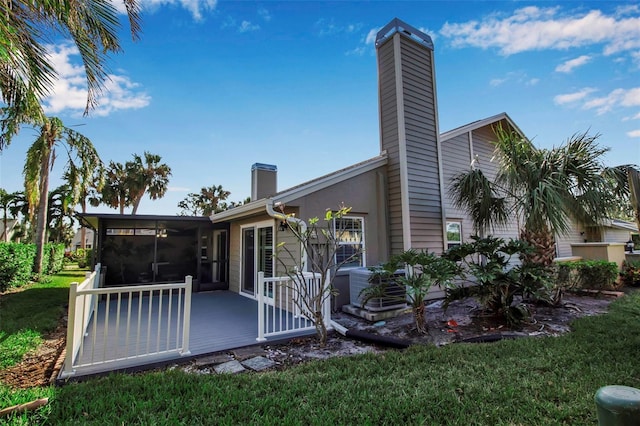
<point>612,231</point>
<point>76,242</point>
<point>6,234</point>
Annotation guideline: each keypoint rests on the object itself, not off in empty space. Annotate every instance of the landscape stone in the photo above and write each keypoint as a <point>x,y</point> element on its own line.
<point>248,352</point>
<point>258,363</point>
<point>213,359</point>
<point>231,367</point>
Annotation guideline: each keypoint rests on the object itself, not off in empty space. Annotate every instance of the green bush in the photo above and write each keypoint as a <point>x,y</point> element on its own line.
<point>53,258</point>
<point>16,264</point>
<point>630,274</point>
<point>82,257</point>
<point>588,274</point>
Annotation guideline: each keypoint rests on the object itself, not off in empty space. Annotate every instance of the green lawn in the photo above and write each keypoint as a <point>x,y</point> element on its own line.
<point>25,317</point>
<point>534,381</point>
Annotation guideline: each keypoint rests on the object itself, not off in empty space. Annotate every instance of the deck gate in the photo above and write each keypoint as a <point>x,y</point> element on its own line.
<point>278,312</point>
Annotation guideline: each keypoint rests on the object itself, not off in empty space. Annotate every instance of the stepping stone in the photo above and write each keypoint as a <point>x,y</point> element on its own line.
<point>231,367</point>
<point>248,352</point>
<point>258,363</point>
<point>213,359</point>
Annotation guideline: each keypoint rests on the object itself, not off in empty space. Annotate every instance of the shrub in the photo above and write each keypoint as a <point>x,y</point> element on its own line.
<point>495,282</point>
<point>16,264</point>
<point>588,274</point>
<point>630,274</point>
<point>53,258</point>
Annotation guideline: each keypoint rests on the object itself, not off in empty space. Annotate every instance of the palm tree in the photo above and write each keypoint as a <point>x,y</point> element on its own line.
<point>149,176</point>
<point>5,204</point>
<point>38,165</point>
<point>19,207</point>
<point>115,192</point>
<point>545,189</point>
<point>208,201</point>
<point>60,215</point>
<point>26,74</point>
<point>85,182</point>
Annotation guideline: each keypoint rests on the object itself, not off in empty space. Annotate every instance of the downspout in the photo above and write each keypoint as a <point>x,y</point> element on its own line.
<point>289,219</point>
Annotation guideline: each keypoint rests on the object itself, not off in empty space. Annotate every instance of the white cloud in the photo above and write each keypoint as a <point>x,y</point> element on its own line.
<point>246,26</point>
<point>371,36</point>
<point>616,98</point>
<point>178,189</point>
<point>367,44</point>
<point>534,28</point>
<point>518,77</point>
<point>328,27</point>
<point>264,14</point>
<point>569,65</point>
<point>634,134</point>
<point>69,93</point>
<point>195,7</point>
<point>573,97</point>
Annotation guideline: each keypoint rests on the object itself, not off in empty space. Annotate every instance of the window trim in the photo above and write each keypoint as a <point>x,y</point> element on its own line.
<point>363,259</point>
<point>452,243</point>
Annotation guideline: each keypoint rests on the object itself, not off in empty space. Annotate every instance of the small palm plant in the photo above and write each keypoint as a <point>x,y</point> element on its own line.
<point>495,281</point>
<point>423,270</point>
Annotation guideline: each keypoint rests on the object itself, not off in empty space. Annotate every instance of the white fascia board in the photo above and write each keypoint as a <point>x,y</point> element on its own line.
<point>479,124</point>
<point>240,211</point>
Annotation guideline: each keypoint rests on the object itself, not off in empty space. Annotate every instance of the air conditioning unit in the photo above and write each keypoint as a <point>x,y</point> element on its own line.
<point>359,280</point>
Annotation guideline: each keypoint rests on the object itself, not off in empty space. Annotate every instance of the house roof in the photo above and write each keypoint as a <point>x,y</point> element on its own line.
<point>621,224</point>
<point>479,124</point>
<point>129,220</point>
<point>303,189</point>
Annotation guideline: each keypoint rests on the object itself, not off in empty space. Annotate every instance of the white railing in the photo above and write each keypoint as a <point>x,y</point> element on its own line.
<point>122,323</point>
<point>281,310</point>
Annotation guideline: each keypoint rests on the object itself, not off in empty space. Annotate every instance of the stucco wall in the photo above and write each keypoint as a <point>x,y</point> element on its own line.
<point>611,252</point>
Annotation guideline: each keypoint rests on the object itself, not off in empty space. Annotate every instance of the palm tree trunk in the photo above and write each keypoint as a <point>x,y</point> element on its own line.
<point>43,206</point>
<point>83,230</point>
<point>544,246</point>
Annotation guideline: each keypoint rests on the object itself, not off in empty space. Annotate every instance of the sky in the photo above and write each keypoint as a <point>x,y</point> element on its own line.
<point>216,86</point>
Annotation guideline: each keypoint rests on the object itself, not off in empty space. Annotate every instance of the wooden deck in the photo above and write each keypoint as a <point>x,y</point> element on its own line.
<point>220,320</point>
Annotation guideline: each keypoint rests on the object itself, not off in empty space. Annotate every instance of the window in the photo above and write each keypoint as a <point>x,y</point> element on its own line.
<point>349,232</point>
<point>454,234</point>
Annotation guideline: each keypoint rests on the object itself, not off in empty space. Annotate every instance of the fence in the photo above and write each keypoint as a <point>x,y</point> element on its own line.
<point>281,304</point>
<point>106,325</point>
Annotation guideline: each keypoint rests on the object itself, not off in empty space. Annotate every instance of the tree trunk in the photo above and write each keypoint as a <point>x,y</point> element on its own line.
<point>83,230</point>
<point>544,246</point>
<point>136,201</point>
<point>321,329</point>
<point>43,206</point>
<point>5,233</point>
<point>418,314</point>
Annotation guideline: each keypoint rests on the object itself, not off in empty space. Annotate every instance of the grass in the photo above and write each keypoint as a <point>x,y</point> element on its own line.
<point>25,317</point>
<point>535,381</point>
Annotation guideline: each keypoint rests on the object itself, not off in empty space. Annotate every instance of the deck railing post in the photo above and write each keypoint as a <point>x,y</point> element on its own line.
<point>71,326</point>
<point>261,337</point>
<point>326,301</point>
<point>187,316</point>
